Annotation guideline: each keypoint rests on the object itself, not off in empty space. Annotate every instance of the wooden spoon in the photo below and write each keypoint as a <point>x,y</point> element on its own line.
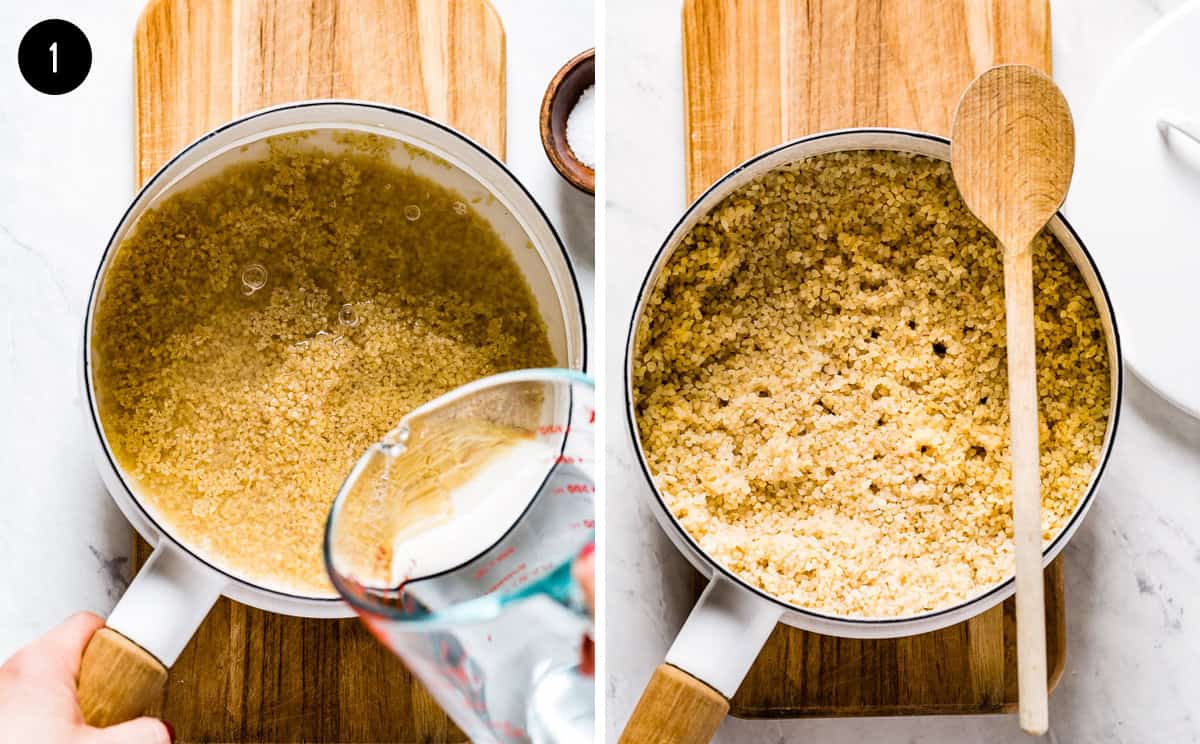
<point>1012,153</point>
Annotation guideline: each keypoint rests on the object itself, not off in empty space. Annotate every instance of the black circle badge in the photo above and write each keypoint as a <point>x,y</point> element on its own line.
<point>54,57</point>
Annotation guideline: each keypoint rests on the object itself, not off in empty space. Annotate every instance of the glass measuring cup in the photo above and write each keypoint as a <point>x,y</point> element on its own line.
<point>453,540</point>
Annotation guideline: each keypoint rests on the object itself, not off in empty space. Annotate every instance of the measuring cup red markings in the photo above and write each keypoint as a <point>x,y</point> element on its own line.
<point>496,639</point>
<point>574,488</point>
<point>511,730</point>
<point>506,578</point>
<point>521,575</point>
<point>484,569</point>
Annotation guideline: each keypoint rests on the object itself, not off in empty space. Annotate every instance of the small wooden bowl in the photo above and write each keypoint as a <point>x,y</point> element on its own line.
<point>561,95</point>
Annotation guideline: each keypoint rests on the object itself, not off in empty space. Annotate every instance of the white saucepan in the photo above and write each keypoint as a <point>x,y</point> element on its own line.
<point>125,664</point>
<point>724,633</point>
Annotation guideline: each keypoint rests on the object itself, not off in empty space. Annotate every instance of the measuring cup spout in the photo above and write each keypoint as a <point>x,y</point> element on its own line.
<point>471,533</point>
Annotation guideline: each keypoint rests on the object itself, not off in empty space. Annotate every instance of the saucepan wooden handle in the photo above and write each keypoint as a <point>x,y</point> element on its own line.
<point>676,708</point>
<point>118,679</point>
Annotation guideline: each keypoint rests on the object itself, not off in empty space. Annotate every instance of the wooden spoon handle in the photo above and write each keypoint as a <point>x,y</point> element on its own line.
<point>118,679</point>
<point>675,708</point>
<point>1026,483</point>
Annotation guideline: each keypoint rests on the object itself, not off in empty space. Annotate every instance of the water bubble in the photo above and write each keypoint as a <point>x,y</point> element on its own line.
<point>347,316</point>
<point>254,278</point>
<point>412,213</point>
<point>460,208</point>
<point>394,441</point>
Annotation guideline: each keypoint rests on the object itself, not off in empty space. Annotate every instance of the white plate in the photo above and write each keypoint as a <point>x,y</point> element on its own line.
<point>1135,199</point>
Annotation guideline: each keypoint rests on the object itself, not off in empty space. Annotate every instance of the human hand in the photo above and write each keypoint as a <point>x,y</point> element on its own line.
<point>38,700</point>
<point>584,572</point>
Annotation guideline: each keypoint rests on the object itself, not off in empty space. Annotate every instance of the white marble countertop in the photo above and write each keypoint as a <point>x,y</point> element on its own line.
<point>67,178</point>
<point>1132,570</point>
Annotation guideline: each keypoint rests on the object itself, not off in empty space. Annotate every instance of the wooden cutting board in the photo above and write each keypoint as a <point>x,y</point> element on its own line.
<point>247,675</point>
<point>760,73</point>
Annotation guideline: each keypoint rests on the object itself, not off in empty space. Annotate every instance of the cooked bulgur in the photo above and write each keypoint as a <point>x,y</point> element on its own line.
<point>260,329</point>
<point>820,387</point>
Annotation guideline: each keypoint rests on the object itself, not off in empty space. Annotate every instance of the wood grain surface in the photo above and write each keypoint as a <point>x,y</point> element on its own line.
<point>118,679</point>
<point>760,73</point>
<point>247,675</point>
<point>677,708</point>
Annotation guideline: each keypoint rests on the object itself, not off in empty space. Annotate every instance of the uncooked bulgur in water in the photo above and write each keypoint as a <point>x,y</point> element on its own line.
<point>258,331</point>
<point>821,387</point>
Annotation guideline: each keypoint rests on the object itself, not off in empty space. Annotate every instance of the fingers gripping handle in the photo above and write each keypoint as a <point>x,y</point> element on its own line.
<point>124,666</point>
<point>118,679</point>
<point>677,708</point>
